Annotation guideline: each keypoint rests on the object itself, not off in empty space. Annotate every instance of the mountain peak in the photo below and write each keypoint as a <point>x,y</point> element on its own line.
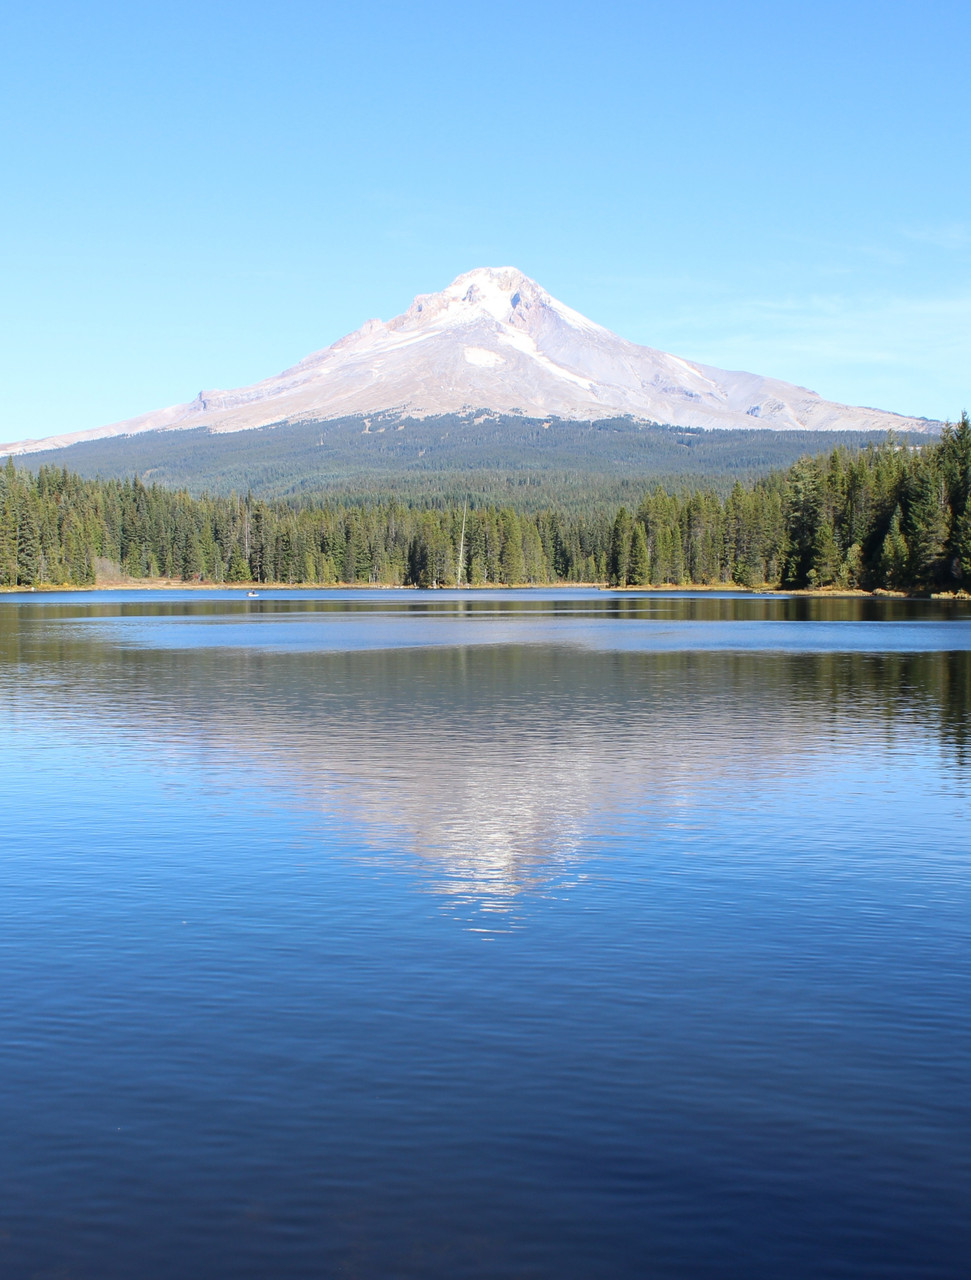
<point>505,279</point>
<point>502,297</point>
<point>497,293</point>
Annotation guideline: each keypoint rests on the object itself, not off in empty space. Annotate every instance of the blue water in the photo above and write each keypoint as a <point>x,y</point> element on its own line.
<point>560,934</point>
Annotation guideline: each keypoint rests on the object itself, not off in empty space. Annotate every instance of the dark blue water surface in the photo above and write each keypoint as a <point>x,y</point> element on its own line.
<point>560,935</point>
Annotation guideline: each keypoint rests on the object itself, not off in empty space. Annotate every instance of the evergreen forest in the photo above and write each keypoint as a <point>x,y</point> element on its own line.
<point>491,460</point>
<point>887,516</point>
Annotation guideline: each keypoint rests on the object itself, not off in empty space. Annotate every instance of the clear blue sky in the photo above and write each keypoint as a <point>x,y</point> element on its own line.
<point>198,195</point>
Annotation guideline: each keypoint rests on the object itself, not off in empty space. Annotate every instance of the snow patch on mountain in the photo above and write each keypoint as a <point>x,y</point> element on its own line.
<point>484,359</point>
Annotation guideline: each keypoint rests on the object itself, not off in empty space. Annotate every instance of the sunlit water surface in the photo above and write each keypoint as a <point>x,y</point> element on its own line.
<point>555,935</point>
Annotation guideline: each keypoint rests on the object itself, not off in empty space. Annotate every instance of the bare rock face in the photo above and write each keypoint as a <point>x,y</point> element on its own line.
<point>495,340</point>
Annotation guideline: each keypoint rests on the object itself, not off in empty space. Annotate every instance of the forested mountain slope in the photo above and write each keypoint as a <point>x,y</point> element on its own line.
<point>530,463</point>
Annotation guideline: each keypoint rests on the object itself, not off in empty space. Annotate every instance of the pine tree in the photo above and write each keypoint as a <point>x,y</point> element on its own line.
<point>638,571</point>
<point>620,545</point>
<point>803,511</point>
<point>28,541</point>
<point>894,554</point>
<point>956,468</point>
<point>826,560</point>
<point>237,569</point>
<point>926,523</point>
<point>513,566</point>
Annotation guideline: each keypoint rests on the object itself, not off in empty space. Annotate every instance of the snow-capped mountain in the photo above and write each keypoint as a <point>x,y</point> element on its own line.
<point>495,340</point>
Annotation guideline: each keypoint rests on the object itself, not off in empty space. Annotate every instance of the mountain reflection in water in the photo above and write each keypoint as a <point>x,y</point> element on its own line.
<point>489,762</point>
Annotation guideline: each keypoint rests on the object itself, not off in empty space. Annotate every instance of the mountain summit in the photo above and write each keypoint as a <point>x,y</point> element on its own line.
<point>495,340</point>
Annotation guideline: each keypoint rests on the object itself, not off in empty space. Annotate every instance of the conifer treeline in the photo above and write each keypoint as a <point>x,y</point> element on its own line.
<point>888,516</point>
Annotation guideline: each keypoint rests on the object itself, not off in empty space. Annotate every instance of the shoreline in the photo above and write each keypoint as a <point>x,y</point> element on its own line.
<point>730,588</point>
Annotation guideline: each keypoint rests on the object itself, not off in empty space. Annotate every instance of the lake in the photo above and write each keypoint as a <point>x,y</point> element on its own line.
<point>553,934</point>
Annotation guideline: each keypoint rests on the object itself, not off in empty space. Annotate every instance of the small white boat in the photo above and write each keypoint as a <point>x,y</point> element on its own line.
<point>252,595</point>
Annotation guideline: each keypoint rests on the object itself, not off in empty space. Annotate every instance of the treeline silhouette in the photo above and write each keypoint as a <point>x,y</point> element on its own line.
<point>888,516</point>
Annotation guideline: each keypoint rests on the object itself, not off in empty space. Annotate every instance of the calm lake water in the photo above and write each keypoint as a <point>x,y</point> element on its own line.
<point>551,934</point>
